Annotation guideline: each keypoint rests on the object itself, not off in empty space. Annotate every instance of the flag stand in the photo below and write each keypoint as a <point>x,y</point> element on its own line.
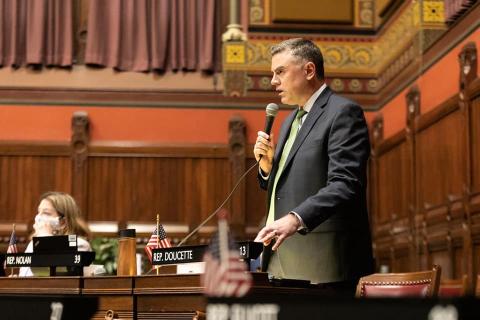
<point>13,232</point>
<point>158,238</point>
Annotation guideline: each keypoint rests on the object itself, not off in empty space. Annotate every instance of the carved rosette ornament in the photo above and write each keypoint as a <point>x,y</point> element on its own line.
<point>237,143</point>
<point>80,137</point>
<point>79,145</point>
<point>468,65</point>
<point>413,106</point>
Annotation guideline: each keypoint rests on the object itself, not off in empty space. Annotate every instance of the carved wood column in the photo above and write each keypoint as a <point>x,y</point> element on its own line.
<point>79,145</point>
<point>376,136</point>
<point>468,72</point>
<point>234,52</point>
<point>237,144</point>
<point>413,111</point>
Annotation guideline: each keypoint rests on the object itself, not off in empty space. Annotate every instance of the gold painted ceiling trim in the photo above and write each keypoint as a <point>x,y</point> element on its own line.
<point>363,55</point>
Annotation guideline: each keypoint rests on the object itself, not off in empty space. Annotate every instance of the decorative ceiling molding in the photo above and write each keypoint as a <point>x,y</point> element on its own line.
<point>354,64</point>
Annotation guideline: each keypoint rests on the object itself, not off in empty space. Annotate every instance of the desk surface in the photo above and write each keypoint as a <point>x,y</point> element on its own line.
<point>149,296</point>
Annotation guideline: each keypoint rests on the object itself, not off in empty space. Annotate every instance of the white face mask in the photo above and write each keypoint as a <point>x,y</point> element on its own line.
<point>42,220</point>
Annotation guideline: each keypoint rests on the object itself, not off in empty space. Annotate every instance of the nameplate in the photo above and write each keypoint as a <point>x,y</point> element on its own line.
<point>310,306</point>
<point>75,259</point>
<point>188,254</point>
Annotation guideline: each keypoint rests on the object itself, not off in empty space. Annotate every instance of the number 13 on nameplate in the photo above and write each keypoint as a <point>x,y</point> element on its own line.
<point>243,251</point>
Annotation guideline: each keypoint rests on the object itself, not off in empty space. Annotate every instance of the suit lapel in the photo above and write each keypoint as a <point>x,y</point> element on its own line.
<point>284,132</point>
<point>315,113</point>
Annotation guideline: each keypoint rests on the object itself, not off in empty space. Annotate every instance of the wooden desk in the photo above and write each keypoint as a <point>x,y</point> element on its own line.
<point>41,285</point>
<point>114,294</point>
<point>142,297</point>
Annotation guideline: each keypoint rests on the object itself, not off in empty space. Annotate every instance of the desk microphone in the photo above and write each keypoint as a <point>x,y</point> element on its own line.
<point>271,111</point>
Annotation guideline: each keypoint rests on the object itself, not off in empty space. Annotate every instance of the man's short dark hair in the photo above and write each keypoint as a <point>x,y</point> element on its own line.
<point>303,49</point>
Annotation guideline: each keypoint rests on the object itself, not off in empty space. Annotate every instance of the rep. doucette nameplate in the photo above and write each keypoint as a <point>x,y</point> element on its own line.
<point>188,254</point>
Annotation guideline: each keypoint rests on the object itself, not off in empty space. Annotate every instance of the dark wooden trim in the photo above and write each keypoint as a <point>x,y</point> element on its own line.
<point>390,143</point>
<point>35,148</point>
<point>443,110</point>
<point>133,98</point>
<point>473,89</point>
<point>161,150</point>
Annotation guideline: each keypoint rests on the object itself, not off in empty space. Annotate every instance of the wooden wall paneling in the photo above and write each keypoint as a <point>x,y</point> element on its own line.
<point>393,198</point>
<point>79,143</point>
<point>24,178</point>
<point>400,254</point>
<point>393,177</point>
<point>383,254</point>
<point>441,165</point>
<point>183,184</point>
<point>439,152</point>
<point>256,200</point>
<point>475,151</point>
<point>413,111</point>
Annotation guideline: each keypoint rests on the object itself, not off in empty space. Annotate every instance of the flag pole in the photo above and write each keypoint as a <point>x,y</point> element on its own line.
<point>158,237</point>
<point>11,268</point>
<point>223,237</point>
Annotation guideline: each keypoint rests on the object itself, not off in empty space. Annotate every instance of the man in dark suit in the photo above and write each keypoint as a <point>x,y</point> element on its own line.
<point>317,227</point>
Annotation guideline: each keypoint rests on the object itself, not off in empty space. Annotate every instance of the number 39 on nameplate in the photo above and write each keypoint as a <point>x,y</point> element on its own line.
<point>77,259</point>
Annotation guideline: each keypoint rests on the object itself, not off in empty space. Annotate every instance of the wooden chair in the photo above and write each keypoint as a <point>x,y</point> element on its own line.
<point>411,284</point>
<point>453,287</point>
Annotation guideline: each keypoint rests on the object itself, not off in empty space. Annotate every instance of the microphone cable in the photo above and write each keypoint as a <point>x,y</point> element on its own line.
<point>219,207</point>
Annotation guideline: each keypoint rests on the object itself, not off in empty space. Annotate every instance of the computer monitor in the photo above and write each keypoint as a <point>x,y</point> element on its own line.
<point>55,244</point>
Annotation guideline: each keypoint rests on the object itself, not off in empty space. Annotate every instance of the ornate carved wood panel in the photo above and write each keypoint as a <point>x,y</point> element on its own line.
<point>439,152</point>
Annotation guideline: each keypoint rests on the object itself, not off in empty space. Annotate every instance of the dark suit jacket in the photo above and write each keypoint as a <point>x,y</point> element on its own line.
<point>324,181</point>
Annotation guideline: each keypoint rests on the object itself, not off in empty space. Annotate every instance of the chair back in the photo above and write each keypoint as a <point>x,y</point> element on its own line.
<point>450,288</point>
<point>395,285</point>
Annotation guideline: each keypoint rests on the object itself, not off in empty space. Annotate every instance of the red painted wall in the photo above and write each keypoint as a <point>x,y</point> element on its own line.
<point>129,124</point>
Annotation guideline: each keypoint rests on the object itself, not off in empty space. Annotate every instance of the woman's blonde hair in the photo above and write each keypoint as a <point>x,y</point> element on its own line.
<point>68,209</point>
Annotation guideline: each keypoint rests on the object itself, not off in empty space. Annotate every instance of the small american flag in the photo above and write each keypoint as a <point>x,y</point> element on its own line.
<point>153,243</point>
<point>12,245</point>
<point>225,274</point>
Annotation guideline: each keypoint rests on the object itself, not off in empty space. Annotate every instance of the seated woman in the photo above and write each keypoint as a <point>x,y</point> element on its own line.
<point>58,214</point>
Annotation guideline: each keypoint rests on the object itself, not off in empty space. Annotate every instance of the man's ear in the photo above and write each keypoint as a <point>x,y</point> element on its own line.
<point>310,70</point>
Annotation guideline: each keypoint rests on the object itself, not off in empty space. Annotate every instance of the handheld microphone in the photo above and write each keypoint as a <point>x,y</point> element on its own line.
<point>271,111</point>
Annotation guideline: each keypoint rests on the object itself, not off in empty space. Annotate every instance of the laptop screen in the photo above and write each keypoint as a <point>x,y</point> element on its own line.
<point>55,244</point>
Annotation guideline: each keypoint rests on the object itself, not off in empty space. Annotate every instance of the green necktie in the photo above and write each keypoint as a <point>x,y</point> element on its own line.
<point>283,159</point>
